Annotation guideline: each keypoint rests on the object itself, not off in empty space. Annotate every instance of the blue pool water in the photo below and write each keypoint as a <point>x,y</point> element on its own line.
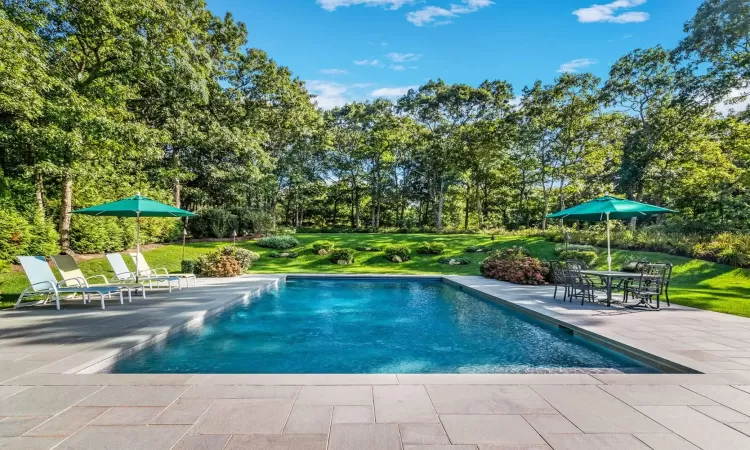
<point>372,326</point>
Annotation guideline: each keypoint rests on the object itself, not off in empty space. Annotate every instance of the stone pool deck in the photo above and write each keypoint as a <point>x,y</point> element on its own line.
<point>51,397</point>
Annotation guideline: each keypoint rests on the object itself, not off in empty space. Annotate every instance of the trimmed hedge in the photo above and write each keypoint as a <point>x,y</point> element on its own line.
<point>586,256</point>
<point>342,254</point>
<point>401,252</point>
<point>431,248</point>
<point>283,242</point>
<point>322,247</point>
<point>367,248</point>
<point>289,255</point>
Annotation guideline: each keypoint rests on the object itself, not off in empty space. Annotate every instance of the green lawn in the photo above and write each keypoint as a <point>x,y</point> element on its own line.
<point>696,283</point>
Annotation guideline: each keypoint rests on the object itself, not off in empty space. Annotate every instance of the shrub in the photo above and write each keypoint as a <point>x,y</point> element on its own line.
<point>455,261</point>
<point>574,247</point>
<point>431,248</point>
<point>586,256</point>
<point>726,248</point>
<point>515,252</point>
<point>218,264</point>
<point>322,247</point>
<point>518,270</point>
<point>15,234</point>
<point>44,238</point>
<point>397,253</point>
<point>290,255</point>
<point>213,222</point>
<point>342,254</point>
<point>367,248</point>
<point>477,249</point>
<point>282,242</point>
<point>252,221</point>
<point>246,258</point>
<point>188,266</point>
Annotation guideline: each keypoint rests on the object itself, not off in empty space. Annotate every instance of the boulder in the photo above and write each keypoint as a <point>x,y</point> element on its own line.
<point>453,262</point>
<point>342,262</point>
<point>322,251</point>
<point>396,259</point>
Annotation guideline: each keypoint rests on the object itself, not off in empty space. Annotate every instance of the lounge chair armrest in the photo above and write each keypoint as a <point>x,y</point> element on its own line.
<point>127,275</point>
<point>79,282</point>
<point>104,278</point>
<point>163,269</point>
<point>48,283</point>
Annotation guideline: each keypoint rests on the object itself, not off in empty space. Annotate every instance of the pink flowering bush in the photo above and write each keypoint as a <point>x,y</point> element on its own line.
<point>514,266</point>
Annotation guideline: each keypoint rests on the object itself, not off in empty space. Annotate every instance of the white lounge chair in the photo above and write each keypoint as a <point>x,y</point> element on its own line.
<point>143,268</point>
<point>123,273</point>
<point>43,282</point>
<point>72,276</point>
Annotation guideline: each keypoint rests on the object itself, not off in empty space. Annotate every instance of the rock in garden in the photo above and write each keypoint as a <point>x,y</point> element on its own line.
<point>396,259</point>
<point>342,262</point>
<point>322,251</point>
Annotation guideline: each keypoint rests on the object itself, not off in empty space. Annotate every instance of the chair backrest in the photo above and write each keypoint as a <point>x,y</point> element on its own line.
<point>656,277</point>
<point>557,272</point>
<point>122,272</point>
<point>37,270</point>
<point>141,266</point>
<point>573,270</point>
<point>68,269</point>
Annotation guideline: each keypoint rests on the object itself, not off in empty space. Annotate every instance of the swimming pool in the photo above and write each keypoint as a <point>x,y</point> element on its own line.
<point>373,326</point>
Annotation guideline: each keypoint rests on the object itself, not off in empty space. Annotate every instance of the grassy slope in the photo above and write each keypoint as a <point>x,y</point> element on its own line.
<point>695,283</point>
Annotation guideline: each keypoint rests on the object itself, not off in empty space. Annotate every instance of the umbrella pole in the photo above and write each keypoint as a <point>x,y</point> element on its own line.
<point>137,244</point>
<point>609,252</point>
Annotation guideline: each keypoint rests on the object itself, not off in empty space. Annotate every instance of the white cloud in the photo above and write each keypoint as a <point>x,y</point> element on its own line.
<point>392,92</point>
<point>331,5</point>
<point>401,67</point>
<point>403,57</point>
<point>609,12</point>
<point>368,62</point>
<point>328,95</point>
<point>573,66</point>
<point>434,15</point>
<point>729,106</point>
<point>334,71</point>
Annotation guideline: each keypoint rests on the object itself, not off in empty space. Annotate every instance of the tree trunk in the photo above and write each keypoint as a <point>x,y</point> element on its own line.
<point>39,191</point>
<point>439,209</point>
<point>466,208</point>
<point>177,193</point>
<point>66,208</point>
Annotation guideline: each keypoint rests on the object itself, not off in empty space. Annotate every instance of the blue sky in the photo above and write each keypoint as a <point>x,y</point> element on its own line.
<point>359,49</point>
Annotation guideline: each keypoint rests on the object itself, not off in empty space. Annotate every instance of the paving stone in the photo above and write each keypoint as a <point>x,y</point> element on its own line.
<point>476,399</point>
<point>722,413</point>
<point>726,395</point>
<point>67,422</point>
<point>44,400</point>
<point>125,438</point>
<point>595,442</point>
<point>182,412</point>
<point>700,430</point>
<point>283,379</point>
<point>353,414</point>
<point>135,396</point>
<point>309,419</point>
<point>244,416</point>
<point>128,415</point>
<point>486,429</point>
<point>403,404</point>
<point>505,378</point>
<point>335,395</point>
<point>364,437</point>
<point>28,443</point>
<point>285,442</point>
<point>423,433</point>
<point>16,426</point>
<point>257,392</point>
<point>513,447</point>
<point>656,395</point>
<point>440,447</point>
<point>665,441</point>
<point>6,391</point>
<point>742,427</point>
<point>550,423</point>
<point>203,442</point>
<point>594,411</point>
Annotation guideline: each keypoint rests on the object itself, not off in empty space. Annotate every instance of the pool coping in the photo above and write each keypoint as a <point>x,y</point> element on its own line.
<point>666,364</point>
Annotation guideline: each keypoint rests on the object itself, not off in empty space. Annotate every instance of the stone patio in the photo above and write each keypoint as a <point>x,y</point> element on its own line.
<point>52,397</point>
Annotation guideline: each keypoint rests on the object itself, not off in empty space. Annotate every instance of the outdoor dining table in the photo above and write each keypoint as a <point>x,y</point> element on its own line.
<point>610,275</point>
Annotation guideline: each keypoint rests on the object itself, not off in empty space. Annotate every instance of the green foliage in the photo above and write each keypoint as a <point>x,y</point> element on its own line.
<point>478,249</point>
<point>216,223</point>
<point>342,254</point>
<point>575,247</point>
<point>15,236</point>
<point>588,257</point>
<point>290,255</point>
<point>397,253</point>
<point>514,252</point>
<point>367,248</point>
<point>455,261</point>
<point>188,266</point>
<point>431,248</point>
<point>44,238</point>
<point>726,248</point>
<point>283,242</point>
<point>243,256</point>
<point>322,247</point>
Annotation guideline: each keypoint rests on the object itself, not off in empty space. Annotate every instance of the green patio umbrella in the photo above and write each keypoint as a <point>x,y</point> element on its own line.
<point>137,206</point>
<point>606,208</point>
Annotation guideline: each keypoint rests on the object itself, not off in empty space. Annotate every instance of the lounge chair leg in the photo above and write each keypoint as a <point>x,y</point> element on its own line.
<point>57,300</point>
<point>555,294</point>
<point>101,297</point>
